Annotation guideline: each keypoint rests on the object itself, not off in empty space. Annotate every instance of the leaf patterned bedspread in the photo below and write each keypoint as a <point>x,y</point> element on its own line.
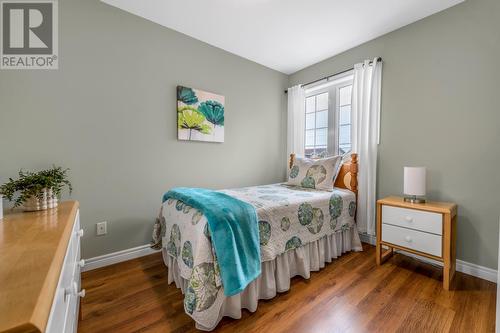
<point>289,217</point>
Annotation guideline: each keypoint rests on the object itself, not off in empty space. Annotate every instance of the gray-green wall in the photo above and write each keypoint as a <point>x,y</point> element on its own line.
<point>440,109</point>
<point>109,114</point>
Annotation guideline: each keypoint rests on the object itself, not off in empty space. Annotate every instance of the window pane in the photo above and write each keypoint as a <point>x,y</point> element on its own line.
<point>310,104</point>
<point>345,115</point>
<point>310,120</point>
<point>320,152</point>
<point>321,135</point>
<point>344,134</point>
<point>345,95</point>
<point>344,149</point>
<point>310,138</point>
<point>322,119</point>
<point>322,102</point>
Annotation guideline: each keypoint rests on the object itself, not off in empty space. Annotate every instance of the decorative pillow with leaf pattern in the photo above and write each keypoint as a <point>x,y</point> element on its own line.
<point>319,174</point>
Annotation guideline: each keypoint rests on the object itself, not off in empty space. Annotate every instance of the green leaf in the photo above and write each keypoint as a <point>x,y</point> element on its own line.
<point>33,183</point>
<point>189,118</point>
<point>335,206</point>
<point>213,111</point>
<point>186,95</point>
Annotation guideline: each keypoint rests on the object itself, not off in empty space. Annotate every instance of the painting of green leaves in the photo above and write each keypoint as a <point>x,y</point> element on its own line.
<point>200,115</point>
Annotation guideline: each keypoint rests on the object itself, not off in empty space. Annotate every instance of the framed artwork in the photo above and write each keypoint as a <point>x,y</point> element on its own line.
<point>200,115</point>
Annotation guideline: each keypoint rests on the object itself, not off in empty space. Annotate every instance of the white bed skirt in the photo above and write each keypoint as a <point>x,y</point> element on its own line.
<point>277,273</point>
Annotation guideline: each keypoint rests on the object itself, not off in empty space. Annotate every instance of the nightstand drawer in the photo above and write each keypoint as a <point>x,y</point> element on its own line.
<point>413,219</point>
<point>412,239</point>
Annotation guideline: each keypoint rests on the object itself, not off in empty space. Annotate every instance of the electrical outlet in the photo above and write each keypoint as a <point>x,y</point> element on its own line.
<point>101,228</point>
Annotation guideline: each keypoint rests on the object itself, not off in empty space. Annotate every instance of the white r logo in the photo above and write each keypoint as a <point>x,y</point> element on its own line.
<point>17,29</point>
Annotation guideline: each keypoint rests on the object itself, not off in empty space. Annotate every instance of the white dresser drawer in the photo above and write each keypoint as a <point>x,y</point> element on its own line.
<point>76,236</point>
<point>413,219</point>
<point>412,239</point>
<point>74,299</point>
<point>72,314</point>
<point>58,312</point>
<point>63,312</point>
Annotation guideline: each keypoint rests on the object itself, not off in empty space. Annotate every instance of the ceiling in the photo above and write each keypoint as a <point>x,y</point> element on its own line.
<point>285,35</point>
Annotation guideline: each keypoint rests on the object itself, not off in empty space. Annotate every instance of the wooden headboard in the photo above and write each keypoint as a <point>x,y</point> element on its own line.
<point>348,174</point>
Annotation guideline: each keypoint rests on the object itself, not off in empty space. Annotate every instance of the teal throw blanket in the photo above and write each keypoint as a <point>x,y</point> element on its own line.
<point>234,230</point>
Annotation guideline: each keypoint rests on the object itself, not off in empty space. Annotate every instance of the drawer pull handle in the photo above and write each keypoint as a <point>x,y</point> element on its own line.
<point>73,291</point>
<point>408,239</point>
<point>79,233</point>
<point>81,293</point>
<point>409,219</point>
<point>81,263</point>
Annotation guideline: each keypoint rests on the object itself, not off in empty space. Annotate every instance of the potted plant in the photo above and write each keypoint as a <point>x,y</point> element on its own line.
<point>37,190</point>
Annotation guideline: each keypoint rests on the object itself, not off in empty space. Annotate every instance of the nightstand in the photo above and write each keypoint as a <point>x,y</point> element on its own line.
<point>427,229</point>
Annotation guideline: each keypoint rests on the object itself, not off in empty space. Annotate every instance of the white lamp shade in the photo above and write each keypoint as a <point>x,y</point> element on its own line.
<point>414,180</point>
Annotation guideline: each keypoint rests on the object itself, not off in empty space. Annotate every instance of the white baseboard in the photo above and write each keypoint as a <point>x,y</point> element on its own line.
<point>116,257</point>
<point>144,250</point>
<point>365,238</point>
<point>482,272</point>
<point>465,267</point>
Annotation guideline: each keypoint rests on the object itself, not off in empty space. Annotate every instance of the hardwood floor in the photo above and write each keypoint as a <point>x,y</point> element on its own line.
<point>351,294</point>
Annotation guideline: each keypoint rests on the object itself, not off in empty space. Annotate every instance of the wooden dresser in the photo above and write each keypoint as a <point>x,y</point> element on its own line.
<point>40,270</point>
<point>428,229</point>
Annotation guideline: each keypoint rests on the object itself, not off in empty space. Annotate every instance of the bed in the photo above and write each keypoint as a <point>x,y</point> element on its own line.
<point>300,230</point>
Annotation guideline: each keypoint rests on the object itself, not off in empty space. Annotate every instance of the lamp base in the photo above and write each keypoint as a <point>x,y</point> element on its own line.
<point>414,199</point>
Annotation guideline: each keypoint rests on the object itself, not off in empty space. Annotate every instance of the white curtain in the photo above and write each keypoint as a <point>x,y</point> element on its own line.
<point>296,120</point>
<point>366,99</point>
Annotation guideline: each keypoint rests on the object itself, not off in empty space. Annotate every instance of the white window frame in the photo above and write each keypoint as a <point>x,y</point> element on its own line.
<point>332,86</point>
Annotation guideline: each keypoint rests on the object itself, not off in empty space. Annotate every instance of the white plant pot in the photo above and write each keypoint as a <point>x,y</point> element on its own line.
<point>46,201</point>
<point>51,199</point>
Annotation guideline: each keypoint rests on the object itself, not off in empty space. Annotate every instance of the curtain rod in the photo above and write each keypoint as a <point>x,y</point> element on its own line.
<point>329,76</point>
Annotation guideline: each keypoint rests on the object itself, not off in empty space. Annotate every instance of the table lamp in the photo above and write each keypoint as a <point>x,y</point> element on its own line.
<point>414,184</point>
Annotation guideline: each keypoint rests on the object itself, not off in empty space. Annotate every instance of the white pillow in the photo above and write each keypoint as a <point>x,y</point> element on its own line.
<point>315,173</point>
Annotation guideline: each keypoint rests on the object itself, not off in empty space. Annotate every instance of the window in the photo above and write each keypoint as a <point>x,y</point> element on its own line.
<point>328,118</point>
<point>344,107</point>
<point>317,124</point>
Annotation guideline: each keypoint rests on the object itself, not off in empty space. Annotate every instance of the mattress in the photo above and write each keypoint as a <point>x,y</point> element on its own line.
<point>289,218</point>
